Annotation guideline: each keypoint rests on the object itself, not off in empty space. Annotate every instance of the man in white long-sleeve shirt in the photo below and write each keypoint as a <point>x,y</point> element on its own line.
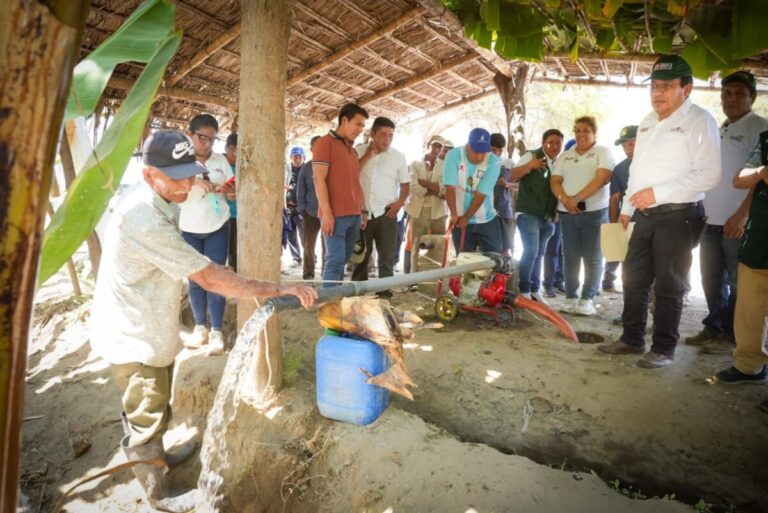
<point>677,159</point>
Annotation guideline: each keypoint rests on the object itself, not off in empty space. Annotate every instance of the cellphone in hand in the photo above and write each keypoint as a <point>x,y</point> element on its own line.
<point>582,205</point>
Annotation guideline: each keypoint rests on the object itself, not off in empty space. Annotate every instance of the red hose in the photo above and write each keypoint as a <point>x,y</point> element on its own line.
<point>547,313</point>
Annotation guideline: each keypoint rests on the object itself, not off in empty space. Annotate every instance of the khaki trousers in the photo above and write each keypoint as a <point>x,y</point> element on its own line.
<point>750,321</point>
<point>146,399</point>
<point>421,226</point>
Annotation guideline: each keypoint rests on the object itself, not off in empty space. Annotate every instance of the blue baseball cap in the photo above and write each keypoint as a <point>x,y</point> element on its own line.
<point>297,150</point>
<point>480,140</point>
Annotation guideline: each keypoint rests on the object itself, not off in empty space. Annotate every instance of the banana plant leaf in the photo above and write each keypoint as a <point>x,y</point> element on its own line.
<point>89,194</point>
<point>136,41</point>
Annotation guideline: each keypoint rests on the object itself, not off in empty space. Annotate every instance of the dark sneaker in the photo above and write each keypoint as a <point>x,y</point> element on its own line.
<point>702,338</point>
<point>550,292</point>
<point>733,376</point>
<point>384,294</point>
<point>719,346</point>
<point>619,347</point>
<point>653,360</point>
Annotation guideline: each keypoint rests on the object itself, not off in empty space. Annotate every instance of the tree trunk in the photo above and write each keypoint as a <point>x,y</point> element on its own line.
<point>68,165</point>
<point>512,92</point>
<point>39,43</point>
<point>260,165</point>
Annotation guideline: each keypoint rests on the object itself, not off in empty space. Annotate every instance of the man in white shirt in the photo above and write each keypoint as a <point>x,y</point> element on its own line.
<point>385,181</point>
<point>676,160</point>
<point>135,316</point>
<point>426,206</point>
<point>727,210</point>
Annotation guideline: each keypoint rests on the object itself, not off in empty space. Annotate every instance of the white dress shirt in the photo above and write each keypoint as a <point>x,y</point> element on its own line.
<point>381,177</point>
<point>737,140</point>
<point>418,194</point>
<point>679,157</point>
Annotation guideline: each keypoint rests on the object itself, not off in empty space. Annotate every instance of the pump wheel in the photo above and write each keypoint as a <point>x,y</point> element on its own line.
<point>446,308</point>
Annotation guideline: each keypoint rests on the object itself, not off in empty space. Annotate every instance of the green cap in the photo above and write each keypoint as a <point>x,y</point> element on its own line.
<point>745,77</point>
<point>670,67</point>
<point>628,133</point>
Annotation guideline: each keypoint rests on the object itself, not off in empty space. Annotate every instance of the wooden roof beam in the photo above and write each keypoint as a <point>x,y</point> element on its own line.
<point>604,67</point>
<point>322,23</point>
<point>584,69</point>
<point>177,94</point>
<point>364,16</point>
<point>414,50</point>
<point>368,72</point>
<point>443,39</point>
<point>199,58</point>
<point>311,42</point>
<point>420,78</point>
<point>442,89</point>
<point>452,105</point>
<point>360,43</point>
<point>320,90</point>
<point>370,53</point>
<point>184,6</point>
<point>563,71</point>
<point>342,83</point>
<point>423,96</point>
<point>464,80</point>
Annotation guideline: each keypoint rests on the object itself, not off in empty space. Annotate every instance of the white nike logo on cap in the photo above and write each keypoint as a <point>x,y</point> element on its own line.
<point>181,149</point>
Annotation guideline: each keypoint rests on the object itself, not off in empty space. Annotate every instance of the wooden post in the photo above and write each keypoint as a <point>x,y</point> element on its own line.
<point>39,44</point>
<point>261,163</point>
<point>512,92</point>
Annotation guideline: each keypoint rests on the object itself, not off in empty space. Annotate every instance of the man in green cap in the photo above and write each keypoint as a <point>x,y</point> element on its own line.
<point>676,160</point>
<point>727,209</point>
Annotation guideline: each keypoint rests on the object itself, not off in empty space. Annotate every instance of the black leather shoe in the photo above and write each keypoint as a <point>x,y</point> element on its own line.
<point>653,360</point>
<point>619,347</point>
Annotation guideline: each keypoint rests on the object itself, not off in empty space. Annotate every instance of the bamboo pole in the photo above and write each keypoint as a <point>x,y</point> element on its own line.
<point>261,139</point>
<point>39,44</point>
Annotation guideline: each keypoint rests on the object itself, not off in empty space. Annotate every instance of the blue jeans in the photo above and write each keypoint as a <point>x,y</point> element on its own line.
<point>535,232</point>
<point>215,246</point>
<point>485,235</point>
<point>553,259</point>
<point>581,242</point>
<point>339,247</point>
<point>719,265</point>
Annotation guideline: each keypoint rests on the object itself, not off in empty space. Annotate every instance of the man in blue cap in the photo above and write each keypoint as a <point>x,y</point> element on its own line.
<point>135,316</point>
<point>291,202</point>
<point>676,160</point>
<point>469,175</point>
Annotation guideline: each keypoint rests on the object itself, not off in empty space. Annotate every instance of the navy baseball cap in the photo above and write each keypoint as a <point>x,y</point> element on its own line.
<point>297,150</point>
<point>628,133</point>
<point>480,140</point>
<point>173,153</point>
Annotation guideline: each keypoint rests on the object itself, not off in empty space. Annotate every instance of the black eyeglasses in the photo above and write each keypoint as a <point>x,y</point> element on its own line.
<point>205,139</point>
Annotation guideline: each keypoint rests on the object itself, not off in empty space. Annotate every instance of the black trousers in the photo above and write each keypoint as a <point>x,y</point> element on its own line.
<point>383,231</point>
<point>660,249</point>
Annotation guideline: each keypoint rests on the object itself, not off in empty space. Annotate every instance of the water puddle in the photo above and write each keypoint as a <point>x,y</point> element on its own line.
<point>213,454</point>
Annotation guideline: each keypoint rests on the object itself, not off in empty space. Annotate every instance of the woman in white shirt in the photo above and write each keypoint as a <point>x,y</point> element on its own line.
<point>204,223</point>
<point>580,184</point>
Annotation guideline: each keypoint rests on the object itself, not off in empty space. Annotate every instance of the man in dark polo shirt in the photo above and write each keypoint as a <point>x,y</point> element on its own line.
<point>751,315</point>
<point>336,173</point>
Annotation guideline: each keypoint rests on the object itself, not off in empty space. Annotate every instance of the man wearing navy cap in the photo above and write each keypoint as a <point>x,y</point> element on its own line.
<point>676,160</point>
<point>291,202</point>
<point>469,175</point>
<point>727,209</point>
<point>135,316</point>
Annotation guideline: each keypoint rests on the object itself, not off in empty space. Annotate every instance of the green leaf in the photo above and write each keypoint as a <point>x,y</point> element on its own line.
<point>610,7</point>
<point>702,61</point>
<point>89,194</point>
<point>520,21</point>
<point>662,39</point>
<point>136,40</point>
<point>592,9</point>
<point>749,24</point>
<point>530,48</point>
<point>712,25</point>
<point>552,4</point>
<point>483,36</point>
<point>573,52</point>
<point>489,12</point>
<point>506,46</point>
<point>605,38</point>
<point>681,7</point>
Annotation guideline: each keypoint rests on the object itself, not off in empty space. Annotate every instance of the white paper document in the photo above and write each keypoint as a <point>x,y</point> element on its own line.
<point>614,241</point>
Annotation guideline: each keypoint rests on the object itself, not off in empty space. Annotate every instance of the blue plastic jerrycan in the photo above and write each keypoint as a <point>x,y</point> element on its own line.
<point>342,393</point>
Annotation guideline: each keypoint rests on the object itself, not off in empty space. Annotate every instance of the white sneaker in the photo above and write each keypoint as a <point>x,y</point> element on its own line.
<point>526,295</point>
<point>215,343</point>
<point>585,307</point>
<point>569,305</point>
<point>197,339</point>
<point>538,297</point>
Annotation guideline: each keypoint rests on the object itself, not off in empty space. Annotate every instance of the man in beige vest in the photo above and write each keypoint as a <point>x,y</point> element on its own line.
<point>426,206</point>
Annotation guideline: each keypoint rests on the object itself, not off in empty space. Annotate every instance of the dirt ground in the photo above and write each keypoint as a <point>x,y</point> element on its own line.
<point>512,418</point>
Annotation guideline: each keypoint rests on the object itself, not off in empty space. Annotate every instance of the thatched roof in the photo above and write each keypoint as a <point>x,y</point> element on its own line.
<point>399,58</point>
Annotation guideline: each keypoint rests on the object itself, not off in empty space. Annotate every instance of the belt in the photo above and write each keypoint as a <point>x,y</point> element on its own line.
<point>669,207</point>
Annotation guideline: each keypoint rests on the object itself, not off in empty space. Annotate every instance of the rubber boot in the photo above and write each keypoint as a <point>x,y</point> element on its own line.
<point>175,458</point>
<point>152,478</point>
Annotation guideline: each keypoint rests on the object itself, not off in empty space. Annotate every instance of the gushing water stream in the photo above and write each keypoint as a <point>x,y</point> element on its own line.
<point>213,454</point>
